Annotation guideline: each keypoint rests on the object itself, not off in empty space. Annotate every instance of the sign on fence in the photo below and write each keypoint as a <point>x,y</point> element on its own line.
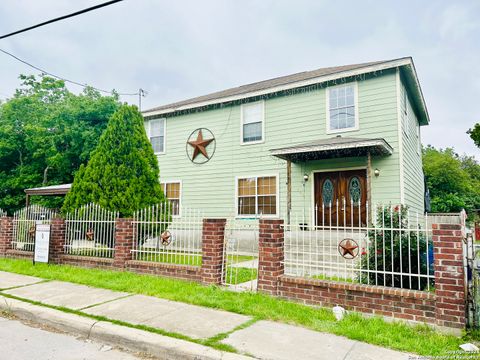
<point>42,243</point>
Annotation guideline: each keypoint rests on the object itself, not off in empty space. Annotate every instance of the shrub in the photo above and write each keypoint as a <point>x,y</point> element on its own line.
<point>122,174</point>
<point>395,246</point>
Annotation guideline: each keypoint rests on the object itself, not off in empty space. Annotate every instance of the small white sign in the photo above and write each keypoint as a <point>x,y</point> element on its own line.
<point>42,243</point>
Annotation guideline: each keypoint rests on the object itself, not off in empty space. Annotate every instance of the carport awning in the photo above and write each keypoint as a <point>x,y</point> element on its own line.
<point>50,190</point>
<point>337,147</point>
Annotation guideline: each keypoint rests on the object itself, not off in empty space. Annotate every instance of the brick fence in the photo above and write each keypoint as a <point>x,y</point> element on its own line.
<point>445,307</point>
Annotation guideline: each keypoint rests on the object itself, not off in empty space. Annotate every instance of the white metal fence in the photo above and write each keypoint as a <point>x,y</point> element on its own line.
<point>24,225</point>
<point>240,256</point>
<point>386,246</point>
<point>161,237</point>
<point>3,213</point>
<point>90,231</point>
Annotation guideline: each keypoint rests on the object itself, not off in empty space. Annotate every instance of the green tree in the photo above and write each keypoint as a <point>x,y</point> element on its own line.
<point>453,180</point>
<point>122,174</point>
<point>475,134</point>
<point>46,133</point>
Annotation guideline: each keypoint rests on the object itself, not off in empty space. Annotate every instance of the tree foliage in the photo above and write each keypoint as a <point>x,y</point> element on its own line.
<point>46,133</point>
<point>453,180</point>
<point>122,174</point>
<point>475,134</point>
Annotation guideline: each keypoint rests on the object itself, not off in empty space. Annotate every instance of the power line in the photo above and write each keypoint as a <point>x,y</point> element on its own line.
<point>62,78</point>
<point>61,18</point>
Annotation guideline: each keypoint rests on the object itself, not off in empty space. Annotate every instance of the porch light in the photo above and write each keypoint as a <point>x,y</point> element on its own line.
<point>376,172</point>
<point>305,177</point>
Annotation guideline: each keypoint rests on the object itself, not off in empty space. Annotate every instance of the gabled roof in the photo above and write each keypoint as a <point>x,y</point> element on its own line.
<point>301,79</point>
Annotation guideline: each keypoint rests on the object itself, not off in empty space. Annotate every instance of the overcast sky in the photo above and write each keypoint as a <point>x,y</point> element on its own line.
<point>180,49</point>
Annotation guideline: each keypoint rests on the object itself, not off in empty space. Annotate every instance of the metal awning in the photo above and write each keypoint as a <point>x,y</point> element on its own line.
<point>334,148</point>
<point>50,190</point>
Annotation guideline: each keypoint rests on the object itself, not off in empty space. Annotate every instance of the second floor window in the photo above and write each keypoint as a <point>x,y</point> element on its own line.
<point>156,134</point>
<point>252,122</point>
<point>341,114</point>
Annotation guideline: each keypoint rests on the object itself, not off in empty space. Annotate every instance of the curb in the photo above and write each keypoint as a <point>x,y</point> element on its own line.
<point>163,347</point>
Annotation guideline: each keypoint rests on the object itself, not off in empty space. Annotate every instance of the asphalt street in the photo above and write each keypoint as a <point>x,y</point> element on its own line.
<point>22,342</point>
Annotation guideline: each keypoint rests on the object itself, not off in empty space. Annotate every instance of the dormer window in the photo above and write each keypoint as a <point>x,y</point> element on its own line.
<point>342,111</point>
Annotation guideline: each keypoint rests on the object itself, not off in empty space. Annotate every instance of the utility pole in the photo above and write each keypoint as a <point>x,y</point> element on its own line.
<point>141,93</point>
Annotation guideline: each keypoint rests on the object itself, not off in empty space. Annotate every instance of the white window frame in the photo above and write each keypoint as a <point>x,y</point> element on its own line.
<point>163,184</point>
<point>355,101</point>
<point>262,102</point>
<point>164,134</point>
<point>257,215</point>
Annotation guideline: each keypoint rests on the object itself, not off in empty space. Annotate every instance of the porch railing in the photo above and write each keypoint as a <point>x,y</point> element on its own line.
<point>384,245</point>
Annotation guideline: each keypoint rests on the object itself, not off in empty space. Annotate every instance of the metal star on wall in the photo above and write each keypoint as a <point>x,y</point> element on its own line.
<point>90,234</point>
<point>199,145</point>
<point>348,248</point>
<point>166,237</point>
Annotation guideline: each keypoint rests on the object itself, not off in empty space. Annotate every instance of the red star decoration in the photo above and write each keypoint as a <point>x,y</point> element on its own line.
<point>31,231</point>
<point>199,145</point>
<point>166,237</point>
<point>90,234</point>
<point>348,248</point>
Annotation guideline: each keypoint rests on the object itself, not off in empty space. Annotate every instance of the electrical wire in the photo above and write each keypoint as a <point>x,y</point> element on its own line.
<point>65,79</point>
<point>60,18</point>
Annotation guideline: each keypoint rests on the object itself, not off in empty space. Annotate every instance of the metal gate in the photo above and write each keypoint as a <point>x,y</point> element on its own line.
<point>472,257</point>
<point>24,224</point>
<point>240,255</point>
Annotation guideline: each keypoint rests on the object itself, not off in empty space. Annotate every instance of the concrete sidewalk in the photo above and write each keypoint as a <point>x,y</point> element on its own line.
<point>262,339</point>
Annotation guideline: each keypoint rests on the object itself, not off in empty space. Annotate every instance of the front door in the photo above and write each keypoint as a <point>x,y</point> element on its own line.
<point>341,198</point>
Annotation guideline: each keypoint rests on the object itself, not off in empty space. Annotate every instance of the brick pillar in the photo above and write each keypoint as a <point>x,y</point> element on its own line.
<point>123,242</point>
<point>6,234</point>
<point>57,239</point>
<point>271,255</point>
<point>213,234</point>
<point>449,275</point>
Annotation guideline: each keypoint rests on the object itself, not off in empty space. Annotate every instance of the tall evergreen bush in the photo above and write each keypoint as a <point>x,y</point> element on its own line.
<point>122,174</point>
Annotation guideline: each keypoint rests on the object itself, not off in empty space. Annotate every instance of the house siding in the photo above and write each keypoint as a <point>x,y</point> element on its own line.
<point>289,120</point>
<point>414,187</point>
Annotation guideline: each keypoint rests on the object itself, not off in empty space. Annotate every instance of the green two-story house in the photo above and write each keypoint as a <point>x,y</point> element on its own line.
<point>315,143</point>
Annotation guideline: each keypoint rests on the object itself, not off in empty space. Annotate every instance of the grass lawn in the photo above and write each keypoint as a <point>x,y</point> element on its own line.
<point>170,258</point>
<point>240,275</point>
<point>418,339</point>
<point>186,259</point>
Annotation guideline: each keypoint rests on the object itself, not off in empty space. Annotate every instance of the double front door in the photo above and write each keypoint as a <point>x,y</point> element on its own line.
<point>341,198</point>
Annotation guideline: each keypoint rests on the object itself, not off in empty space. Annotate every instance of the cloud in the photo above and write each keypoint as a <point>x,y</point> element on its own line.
<point>181,49</point>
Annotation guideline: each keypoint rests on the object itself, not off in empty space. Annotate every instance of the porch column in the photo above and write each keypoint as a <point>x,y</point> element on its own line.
<point>289,190</point>
<point>369,185</point>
